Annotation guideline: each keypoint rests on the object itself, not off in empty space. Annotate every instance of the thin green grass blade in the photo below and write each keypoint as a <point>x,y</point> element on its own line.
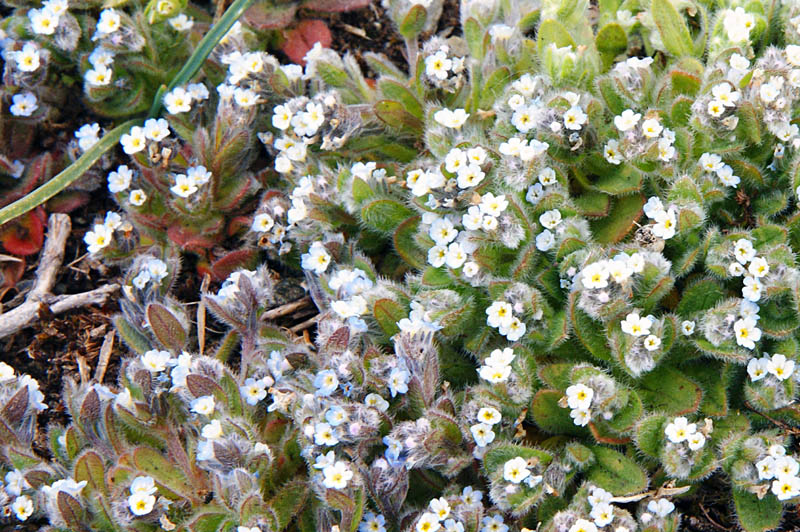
<point>68,176</point>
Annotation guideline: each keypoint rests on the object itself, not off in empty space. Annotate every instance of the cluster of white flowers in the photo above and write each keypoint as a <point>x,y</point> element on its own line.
<point>579,399</point>
<point>497,366</point>
<point>440,65</point>
<point>120,179</point>
<point>636,326</point>
<point>756,269</point>
<point>782,470</point>
<point>680,430</point>
<point>190,182</point>
<point>776,365</point>
<point>526,151</point>
<point>15,484</point>
<point>88,135</point>
<point>179,100</point>
<point>738,24</point>
<point>351,284</point>
<point>101,73</point>
<point>596,275</point>
<point>142,498</point>
<point>102,234</point>
<point>109,22</point>
<point>500,315</point>
<point>317,259</point>
<point>712,163</point>
<point>152,270</point>
<point>666,220</point>
<point>651,131</point>
<point>483,430</point>
<point>451,247</point>
<point>44,20</point>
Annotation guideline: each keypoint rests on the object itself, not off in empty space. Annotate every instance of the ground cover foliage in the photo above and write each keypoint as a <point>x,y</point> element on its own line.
<point>554,263</point>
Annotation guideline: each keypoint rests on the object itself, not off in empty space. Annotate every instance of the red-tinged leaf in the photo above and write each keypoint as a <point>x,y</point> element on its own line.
<point>68,201</point>
<point>302,38</point>
<point>11,272</point>
<point>24,235</point>
<point>189,240</point>
<point>335,6</point>
<point>166,327</point>
<point>225,265</point>
<point>265,16</point>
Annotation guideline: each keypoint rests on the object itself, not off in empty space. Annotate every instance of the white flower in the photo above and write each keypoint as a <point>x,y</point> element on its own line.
<point>470,269</point>
<point>679,430</point>
<point>547,176</point>
<point>652,342</point>
<point>262,223</point>
<point>178,101</point>
<point>100,237</point>
<point>725,175</point>
<point>317,258</point>
<point>493,205</point>
<point>489,415</point>
<point>611,152</point>
<point>203,405</point>
<point>99,76</point>
<point>696,441</point>
<point>747,333</point>
<point>476,155</point>
<point>752,289</point>
<point>470,176</point>
<point>156,361</point>
<point>651,128</point>
<point>183,187</point>
<point>255,390</point>
<point>595,275</point>
<point>757,368</point>
<point>523,118</point>
<point>580,396</point>
<point>666,151</point>
<point>428,522</point>
<point>281,117</point>
<point>599,496</point>
<point>437,65</point>
<point>618,269</point>
<point>141,503</point>
<point>442,231</point>
<point>499,313</point>
<point>780,367</point>
<point>482,434</point>
<point>737,24</point>
<point>758,267</point>
<point>27,59</point>
<point>109,22</point>
<point>23,104</point>
<point>120,179</point>
<point>112,220</point>
<point>398,381</point>
<point>440,507</point>
<point>6,372</point>
<point>715,108</point>
<point>786,465</point>
<point>666,221</point>
<point>574,118</point>
<point>245,97</point>
<point>724,93</point>
<point>101,57</point>
<point>451,118</point>
<point>337,476</point>
<point>687,327</point>
<point>181,22</point>
<point>580,416</point>
<point>134,141</point>
<point>627,120</point>
<point>661,507</point>
<point>582,525</point>
<point>766,468</point>
<point>22,507</point>
<point>437,256</point>
<point>513,330</point>
<point>137,197</point>
<point>711,162</point>
<point>545,240</point>
<point>736,269</point>
<point>156,129</point>
<point>324,434</point>
<point>550,219</point>
<point>494,374</point>
<point>516,470</point>
<point>456,256</point>
<point>43,21</point>
<point>786,487</point>
<point>602,514</point>
<point>88,135</point>
<point>635,325</point>
<point>743,251</point>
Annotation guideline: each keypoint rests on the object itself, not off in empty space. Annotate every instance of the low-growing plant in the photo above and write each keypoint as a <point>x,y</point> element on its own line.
<point>556,280</point>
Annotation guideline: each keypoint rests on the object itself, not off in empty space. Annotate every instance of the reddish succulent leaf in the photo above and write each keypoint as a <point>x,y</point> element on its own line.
<point>335,6</point>
<point>302,38</point>
<point>225,265</point>
<point>68,201</point>
<point>11,273</point>
<point>24,235</point>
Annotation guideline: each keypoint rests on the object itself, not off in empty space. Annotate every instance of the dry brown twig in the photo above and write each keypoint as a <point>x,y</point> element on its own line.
<point>40,297</point>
